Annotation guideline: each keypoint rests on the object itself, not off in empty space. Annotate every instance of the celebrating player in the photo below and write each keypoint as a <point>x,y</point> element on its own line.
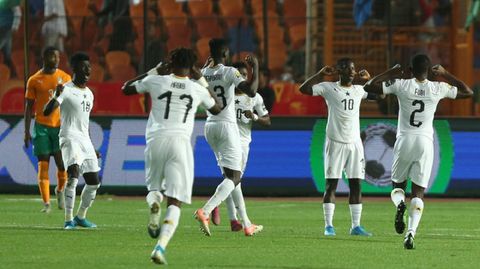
<point>221,131</point>
<point>413,151</point>
<point>169,155</point>
<point>343,145</point>
<point>40,88</point>
<point>76,102</point>
<point>244,107</point>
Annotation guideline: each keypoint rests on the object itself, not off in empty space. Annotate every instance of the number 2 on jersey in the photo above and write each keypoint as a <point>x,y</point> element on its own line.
<point>168,95</point>
<point>419,110</point>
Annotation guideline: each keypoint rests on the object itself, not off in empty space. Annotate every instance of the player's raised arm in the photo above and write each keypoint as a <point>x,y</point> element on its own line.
<point>463,90</point>
<point>160,69</point>
<point>374,85</point>
<point>250,85</point>
<point>306,87</point>
<point>53,103</point>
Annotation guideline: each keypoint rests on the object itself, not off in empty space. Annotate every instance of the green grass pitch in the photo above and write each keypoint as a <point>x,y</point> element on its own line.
<point>448,237</point>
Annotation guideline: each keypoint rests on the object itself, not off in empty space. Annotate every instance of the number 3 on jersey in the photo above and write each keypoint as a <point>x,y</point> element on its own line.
<point>220,91</point>
<point>168,95</point>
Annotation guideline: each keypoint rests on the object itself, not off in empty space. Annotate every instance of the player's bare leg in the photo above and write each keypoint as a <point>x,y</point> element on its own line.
<point>44,182</point>
<point>355,204</point>
<point>329,205</point>
<point>61,180</point>
<point>398,198</point>
<point>170,223</point>
<point>414,215</point>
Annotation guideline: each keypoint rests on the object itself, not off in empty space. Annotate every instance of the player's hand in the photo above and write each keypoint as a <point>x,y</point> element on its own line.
<point>99,155</point>
<point>59,90</point>
<point>438,70</point>
<point>363,74</point>
<point>27,139</point>
<point>208,62</point>
<point>195,73</point>
<point>251,60</point>
<point>396,70</point>
<point>248,114</point>
<point>163,68</point>
<point>327,70</point>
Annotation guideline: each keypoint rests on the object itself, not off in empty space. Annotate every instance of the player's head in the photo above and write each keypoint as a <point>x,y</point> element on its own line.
<point>218,48</point>
<point>182,60</point>
<point>80,64</point>
<point>346,70</point>
<point>51,57</point>
<point>242,68</point>
<point>420,64</point>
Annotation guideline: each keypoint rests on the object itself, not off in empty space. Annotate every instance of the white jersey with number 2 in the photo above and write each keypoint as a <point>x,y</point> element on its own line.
<point>418,102</point>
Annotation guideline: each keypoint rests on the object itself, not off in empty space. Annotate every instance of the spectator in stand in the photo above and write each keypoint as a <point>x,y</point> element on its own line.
<point>10,17</point>
<point>265,90</point>
<point>54,28</point>
<point>296,60</point>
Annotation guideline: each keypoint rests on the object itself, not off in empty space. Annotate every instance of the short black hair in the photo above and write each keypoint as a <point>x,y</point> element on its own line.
<point>182,58</point>
<point>420,64</point>
<point>343,62</point>
<point>78,57</point>
<point>239,65</point>
<point>217,47</point>
<point>48,50</point>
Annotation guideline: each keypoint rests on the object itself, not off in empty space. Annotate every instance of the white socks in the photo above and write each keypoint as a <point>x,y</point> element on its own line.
<point>70,198</point>
<point>397,196</point>
<point>328,211</point>
<point>223,190</point>
<point>88,195</point>
<point>232,211</point>
<point>415,214</point>
<point>170,223</point>
<point>356,214</point>
<point>237,196</point>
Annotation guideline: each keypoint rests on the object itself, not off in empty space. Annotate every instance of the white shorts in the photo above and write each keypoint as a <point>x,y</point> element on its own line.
<point>169,167</point>
<point>224,139</point>
<point>341,157</point>
<point>413,158</point>
<point>79,151</point>
<point>245,150</point>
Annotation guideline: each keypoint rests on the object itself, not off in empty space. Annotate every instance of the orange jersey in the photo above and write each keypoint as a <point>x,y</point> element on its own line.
<point>40,88</point>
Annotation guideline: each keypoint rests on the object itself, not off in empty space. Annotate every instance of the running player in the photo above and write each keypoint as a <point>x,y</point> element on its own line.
<point>343,145</point>
<point>40,88</point>
<point>413,151</point>
<point>221,131</point>
<point>169,155</point>
<point>75,100</point>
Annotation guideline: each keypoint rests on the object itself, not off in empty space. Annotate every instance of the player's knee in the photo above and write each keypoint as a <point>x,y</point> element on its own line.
<point>72,182</point>
<point>73,171</point>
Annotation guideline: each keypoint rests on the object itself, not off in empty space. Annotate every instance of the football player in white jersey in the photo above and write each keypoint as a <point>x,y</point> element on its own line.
<point>244,108</point>
<point>79,155</point>
<point>413,151</point>
<point>343,145</point>
<point>169,155</point>
<point>221,131</point>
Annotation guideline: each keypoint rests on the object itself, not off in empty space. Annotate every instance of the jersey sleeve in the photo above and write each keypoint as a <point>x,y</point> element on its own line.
<point>319,89</point>
<point>206,100</point>
<point>362,92</point>
<point>447,91</point>
<point>30,93</point>
<point>234,76</point>
<point>144,85</point>
<point>259,106</point>
<point>390,86</point>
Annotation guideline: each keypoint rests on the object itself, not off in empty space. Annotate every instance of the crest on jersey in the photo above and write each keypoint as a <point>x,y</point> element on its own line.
<point>237,74</point>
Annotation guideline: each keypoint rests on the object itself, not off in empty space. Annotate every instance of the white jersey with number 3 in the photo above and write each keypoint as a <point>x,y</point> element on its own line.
<point>174,103</point>
<point>418,102</point>
<point>75,107</point>
<point>222,80</point>
<point>343,124</point>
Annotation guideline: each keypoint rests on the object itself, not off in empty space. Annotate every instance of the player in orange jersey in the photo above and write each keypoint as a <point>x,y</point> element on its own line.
<point>40,88</point>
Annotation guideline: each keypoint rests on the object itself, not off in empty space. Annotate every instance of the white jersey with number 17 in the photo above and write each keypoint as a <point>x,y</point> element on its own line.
<point>174,103</point>
<point>222,80</point>
<point>418,102</point>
